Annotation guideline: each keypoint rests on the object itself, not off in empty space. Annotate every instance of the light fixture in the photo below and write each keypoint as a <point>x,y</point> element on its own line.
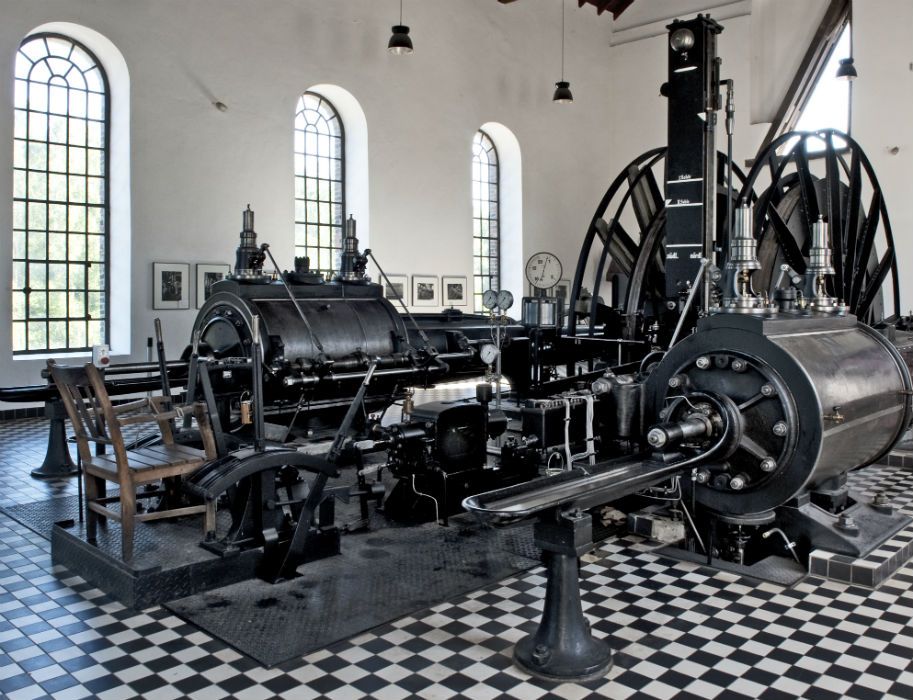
<point>400,42</point>
<point>562,87</point>
<point>846,70</point>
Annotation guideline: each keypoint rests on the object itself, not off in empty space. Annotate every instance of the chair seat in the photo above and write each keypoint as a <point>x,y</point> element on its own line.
<point>150,463</point>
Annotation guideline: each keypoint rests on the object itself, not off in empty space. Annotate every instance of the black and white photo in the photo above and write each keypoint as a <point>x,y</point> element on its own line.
<point>425,290</point>
<point>170,285</point>
<point>207,275</point>
<point>455,291</point>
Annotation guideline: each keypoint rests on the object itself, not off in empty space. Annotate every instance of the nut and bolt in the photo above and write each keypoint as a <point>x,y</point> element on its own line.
<point>737,483</point>
<point>780,428</point>
<point>541,654</point>
<point>768,464</point>
<point>679,380</point>
<point>703,476</point>
<point>846,522</point>
<point>656,437</point>
<point>739,365</point>
<point>881,499</point>
<point>768,390</point>
<point>703,362</point>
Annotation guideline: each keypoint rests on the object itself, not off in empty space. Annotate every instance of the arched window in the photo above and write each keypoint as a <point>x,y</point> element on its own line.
<point>319,182</point>
<point>60,197</point>
<point>486,239</point>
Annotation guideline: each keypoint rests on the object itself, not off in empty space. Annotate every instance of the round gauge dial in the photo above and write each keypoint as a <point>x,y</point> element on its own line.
<point>490,299</point>
<point>505,300</point>
<point>489,353</point>
<point>543,270</point>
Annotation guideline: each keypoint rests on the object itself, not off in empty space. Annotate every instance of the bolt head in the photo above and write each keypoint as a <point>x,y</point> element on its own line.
<point>780,428</point>
<point>675,382</point>
<point>768,464</point>
<point>703,476</point>
<point>768,390</point>
<point>703,362</point>
<point>739,365</point>
<point>737,483</point>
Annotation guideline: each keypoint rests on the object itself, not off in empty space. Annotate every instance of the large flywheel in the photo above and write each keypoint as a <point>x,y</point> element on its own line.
<point>839,185</point>
<point>630,223</point>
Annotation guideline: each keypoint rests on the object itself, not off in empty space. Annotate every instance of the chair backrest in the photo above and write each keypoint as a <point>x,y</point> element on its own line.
<point>88,405</point>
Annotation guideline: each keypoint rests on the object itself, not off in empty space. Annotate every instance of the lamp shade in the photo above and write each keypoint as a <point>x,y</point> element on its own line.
<point>400,42</point>
<point>846,70</point>
<point>562,92</point>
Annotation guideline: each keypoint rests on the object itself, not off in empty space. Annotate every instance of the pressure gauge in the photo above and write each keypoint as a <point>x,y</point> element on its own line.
<point>490,299</point>
<point>489,353</point>
<point>543,270</point>
<point>505,300</point>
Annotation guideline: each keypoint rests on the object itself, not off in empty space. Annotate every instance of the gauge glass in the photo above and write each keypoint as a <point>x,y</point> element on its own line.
<point>543,270</point>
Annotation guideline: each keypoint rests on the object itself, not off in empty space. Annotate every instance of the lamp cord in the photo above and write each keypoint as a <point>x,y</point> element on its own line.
<point>400,12</point>
<point>562,40</point>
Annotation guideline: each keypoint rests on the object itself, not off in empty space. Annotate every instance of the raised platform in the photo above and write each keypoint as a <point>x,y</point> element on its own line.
<point>152,578</point>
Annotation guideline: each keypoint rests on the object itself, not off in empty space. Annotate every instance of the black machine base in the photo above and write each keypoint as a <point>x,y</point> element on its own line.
<point>151,578</point>
<point>57,461</point>
<point>563,649</point>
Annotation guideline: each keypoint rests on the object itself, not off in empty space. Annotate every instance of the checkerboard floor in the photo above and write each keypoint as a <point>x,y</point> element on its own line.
<point>679,630</point>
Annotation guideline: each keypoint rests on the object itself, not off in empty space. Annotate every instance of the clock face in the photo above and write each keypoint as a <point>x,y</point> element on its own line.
<point>489,353</point>
<point>543,270</point>
<point>490,299</point>
<point>505,300</point>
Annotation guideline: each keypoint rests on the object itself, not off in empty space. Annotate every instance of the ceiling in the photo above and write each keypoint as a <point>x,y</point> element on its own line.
<point>616,7</point>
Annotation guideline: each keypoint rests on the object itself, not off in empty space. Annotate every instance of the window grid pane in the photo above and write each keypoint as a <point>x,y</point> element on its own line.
<point>319,183</point>
<point>59,252</point>
<point>486,238</point>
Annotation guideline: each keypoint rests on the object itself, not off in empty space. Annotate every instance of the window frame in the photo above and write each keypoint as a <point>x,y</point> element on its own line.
<point>314,264</point>
<point>106,205</point>
<point>836,18</point>
<point>476,221</point>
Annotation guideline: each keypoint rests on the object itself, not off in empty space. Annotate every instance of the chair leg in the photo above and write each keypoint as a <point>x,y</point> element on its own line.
<point>209,521</point>
<point>101,490</point>
<point>127,521</point>
<point>91,484</point>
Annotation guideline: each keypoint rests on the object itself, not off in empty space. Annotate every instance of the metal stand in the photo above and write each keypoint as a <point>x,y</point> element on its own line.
<point>563,649</point>
<point>57,461</point>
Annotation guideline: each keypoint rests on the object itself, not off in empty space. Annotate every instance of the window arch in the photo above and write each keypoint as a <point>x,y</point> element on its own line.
<point>60,275</point>
<point>319,182</point>
<point>486,239</point>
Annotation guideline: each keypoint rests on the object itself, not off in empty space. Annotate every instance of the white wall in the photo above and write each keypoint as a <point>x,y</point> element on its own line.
<point>195,168</point>
<point>883,115</point>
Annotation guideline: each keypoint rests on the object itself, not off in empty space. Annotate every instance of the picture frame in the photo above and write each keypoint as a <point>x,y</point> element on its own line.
<point>455,290</point>
<point>425,290</point>
<point>401,284</point>
<point>170,285</point>
<point>207,275</point>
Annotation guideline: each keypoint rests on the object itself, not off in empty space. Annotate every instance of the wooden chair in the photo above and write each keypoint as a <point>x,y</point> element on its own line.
<point>96,420</point>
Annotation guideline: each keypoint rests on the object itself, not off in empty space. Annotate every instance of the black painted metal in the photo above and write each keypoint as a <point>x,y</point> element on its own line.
<point>563,649</point>
<point>693,93</point>
<point>57,461</point>
<point>848,197</point>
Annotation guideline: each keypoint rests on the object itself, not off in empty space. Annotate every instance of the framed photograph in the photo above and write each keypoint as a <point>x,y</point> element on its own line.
<point>425,291</point>
<point>455,290</point>
<point>170,285</point>
<point>563,290</point>
<point>398,287</point>
<point>207,275</point>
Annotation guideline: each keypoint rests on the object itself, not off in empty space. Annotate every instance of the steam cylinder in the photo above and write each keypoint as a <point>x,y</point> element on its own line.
<point>808,399</point>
